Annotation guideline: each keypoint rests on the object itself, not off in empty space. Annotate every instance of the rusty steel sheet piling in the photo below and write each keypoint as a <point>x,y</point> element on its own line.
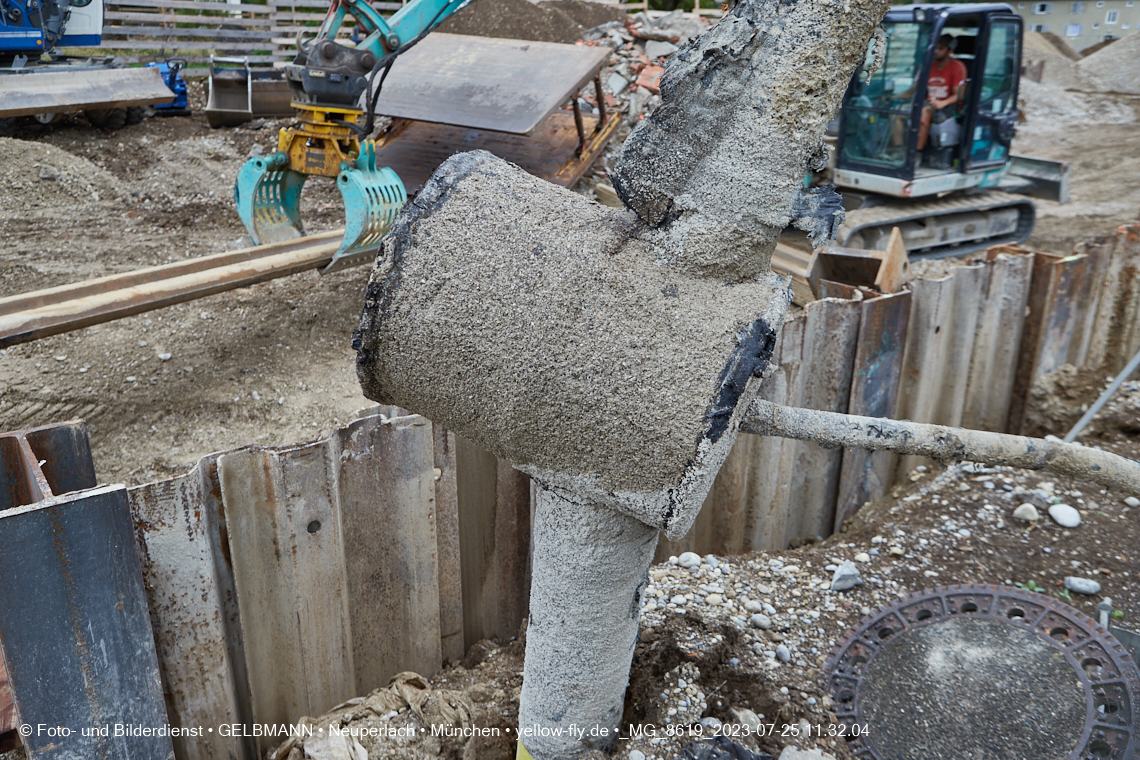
<point>1116,331</point>
<point>181,534</point>
<point>335,560</point>
<point>75,633</point>
<point>993,362</point>
<point>877,365</point>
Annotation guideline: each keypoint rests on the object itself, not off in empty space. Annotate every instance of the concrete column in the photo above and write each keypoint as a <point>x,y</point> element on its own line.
<point>590,570</point>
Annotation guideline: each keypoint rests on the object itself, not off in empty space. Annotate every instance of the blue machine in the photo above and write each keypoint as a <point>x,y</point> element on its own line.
<point>30,28</point>
<point>171,71</point>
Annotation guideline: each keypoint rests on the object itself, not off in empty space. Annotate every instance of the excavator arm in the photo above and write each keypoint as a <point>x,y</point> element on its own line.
<point>329,81</point>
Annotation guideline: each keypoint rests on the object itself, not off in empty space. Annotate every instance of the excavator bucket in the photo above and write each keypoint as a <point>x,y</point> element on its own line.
<point>268,198</point>
<point>373,195</point>
<point>240,92</point>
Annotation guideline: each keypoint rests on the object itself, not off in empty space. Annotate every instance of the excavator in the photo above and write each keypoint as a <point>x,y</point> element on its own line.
<point>947,196</point>
<point>452,93</point>
<point>36,81</point>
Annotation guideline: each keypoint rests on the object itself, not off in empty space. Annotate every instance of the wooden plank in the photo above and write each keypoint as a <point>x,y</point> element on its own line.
<point>172,45</point>
<point>288,561</point>
<point>158,16</point>
<point>876,371</point>
<point>196,5</point>
<point>183,33</point>
<point>450,562</point>
<point>997,341</point>
<point>494,529</point>
<point>385,492</point>
<point>33,315</point>
<point>179,525</point>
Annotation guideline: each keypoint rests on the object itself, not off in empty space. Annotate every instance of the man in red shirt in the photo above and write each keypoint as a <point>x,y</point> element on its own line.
<point>943,86</point>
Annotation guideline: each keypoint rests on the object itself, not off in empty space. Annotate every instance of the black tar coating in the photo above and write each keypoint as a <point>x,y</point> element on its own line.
<point>719,748</point>
<point>753,351</point>
<point>818,211</point>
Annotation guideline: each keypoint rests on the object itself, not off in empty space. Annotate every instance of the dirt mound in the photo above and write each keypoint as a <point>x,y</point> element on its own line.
<point>1114,68</point>
<point>1059,71</point>
<point>1062,45</point>
<point>1046,105</point>
<point>555,21</point>
<point>34,174</point>
<point>1057,400</point>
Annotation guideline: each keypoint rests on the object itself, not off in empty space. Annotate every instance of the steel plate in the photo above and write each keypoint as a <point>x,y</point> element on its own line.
<point>487,83</point>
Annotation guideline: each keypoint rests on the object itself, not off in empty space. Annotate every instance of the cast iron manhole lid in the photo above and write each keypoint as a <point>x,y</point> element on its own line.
<point>985,673</point>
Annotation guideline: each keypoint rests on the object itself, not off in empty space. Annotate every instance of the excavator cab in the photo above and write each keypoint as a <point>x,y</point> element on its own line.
<point>939,185</point>
<point>968,144</point>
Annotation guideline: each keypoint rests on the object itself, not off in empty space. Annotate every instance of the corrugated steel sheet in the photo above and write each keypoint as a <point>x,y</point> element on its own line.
<point>335,558</point>
<point>181,532</point>
<point>997,341</point>
<point>940,341</point>
<point>1116,331</point>
<point>75,634</point>
<point>877,366</point>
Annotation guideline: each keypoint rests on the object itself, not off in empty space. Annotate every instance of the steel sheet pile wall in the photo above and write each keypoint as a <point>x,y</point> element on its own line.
<point>960,350</point>
<point>284,581</point>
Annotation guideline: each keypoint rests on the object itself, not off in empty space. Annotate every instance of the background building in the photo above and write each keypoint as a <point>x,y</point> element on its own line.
<point>1083,23</point>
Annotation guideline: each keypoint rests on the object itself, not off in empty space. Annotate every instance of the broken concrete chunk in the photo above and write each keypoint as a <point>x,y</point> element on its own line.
<point>626,386</point>
<point>660,49</point>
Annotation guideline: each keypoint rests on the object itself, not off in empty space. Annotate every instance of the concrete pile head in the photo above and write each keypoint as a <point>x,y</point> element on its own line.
<point>610,353</point>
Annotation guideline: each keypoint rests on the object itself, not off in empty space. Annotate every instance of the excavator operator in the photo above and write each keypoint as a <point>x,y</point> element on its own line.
<point>944,88</point>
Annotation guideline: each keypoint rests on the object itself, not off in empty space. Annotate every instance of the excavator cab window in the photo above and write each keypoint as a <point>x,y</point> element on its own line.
<point>997,94</point>
<point>878,110</point>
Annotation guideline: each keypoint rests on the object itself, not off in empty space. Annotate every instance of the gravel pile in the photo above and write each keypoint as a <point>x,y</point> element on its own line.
<point>34,174</point>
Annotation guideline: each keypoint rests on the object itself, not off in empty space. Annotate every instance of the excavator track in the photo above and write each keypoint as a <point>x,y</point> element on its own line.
<point>952,226</point>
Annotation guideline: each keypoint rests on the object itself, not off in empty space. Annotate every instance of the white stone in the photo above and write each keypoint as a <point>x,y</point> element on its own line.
<point>1027,512</point>
<point>689,559</point>
<point>783,654</point>
<point>1065,516</point>
<point>636,754</point>
<point>846,576</point>
<point>714,599</point>
<point>862,557</point>
<point>753,606</point>
<point>1082,585</point>
<point>679,600</point>
<point>762,622</point>
<point>1132,501</point>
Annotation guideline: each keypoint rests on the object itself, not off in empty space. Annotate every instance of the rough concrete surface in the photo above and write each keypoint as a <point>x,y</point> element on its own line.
<point>539,325</point>
<point>719,165</point>
<point>586,596</point>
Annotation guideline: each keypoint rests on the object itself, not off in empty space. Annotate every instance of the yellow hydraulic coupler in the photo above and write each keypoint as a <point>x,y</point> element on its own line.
<point>322,143</point>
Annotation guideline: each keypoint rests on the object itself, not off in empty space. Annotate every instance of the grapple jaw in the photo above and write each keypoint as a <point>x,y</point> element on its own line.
<point>268,198</point>
<point>373,195</point>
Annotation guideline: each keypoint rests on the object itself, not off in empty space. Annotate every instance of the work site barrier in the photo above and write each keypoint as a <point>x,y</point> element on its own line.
<point>283,581</point>
<point>962,350</point>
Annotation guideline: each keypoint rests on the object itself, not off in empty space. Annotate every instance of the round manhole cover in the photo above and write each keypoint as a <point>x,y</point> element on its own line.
<point>986,673</point>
